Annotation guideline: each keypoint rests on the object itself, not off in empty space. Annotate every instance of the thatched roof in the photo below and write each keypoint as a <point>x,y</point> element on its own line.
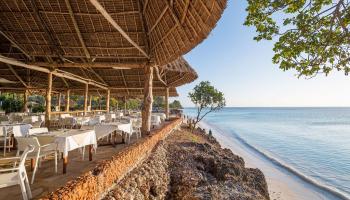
<point>103,32</point>
<point>121,82</point>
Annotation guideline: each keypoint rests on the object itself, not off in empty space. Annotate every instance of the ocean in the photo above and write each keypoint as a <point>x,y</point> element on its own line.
<point>312,143</point>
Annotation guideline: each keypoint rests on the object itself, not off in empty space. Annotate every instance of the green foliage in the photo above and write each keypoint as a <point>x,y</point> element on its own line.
<point>312,38</point>
<point>175,105</point>
<point>37,103</point>
<point>133,104</point>
<point>207,99</point>
<point>38,108</point>
<point>158,103</point>
<point>11,102</point>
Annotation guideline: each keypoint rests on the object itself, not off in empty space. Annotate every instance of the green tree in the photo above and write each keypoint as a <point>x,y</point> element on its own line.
<point>311,37</point>
<point>37,103</point>
<point>207,99</point>
<point>133,104</point>
<point>11,102</point>
<point>175,105</point>
<point>158,103</point>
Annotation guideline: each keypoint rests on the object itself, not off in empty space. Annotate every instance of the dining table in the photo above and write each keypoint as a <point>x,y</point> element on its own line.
<point>30,119</point>
<point>124,127</point>
<point>68,140</point>
<point>97,119</point>
<point>18,129</point>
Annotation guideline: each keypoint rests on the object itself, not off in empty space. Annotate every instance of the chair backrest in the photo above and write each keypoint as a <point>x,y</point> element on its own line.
<point>6,131</point>
<point>24,142</point>
<point>4,118</point>
<point>68,121</point>
<point>37,124</point>
<point>27,150</point>
<point>5,122</point>
<point>35,131</point>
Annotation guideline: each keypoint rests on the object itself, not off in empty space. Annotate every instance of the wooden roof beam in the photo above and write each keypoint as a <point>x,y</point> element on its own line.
<point>16,45</point>
<point>108,17</point>
<point>98,76</point>
<point>58,73</point>
<point>87,54</point>
<point>121,71</point>
<point>183,17</point>
<point>53,40</point>
<point>145,6</point>
<point>92,65</point>
<point>173,13</point>
<point>159,77</point>
<point>65,82</point>
<point>16,75</point>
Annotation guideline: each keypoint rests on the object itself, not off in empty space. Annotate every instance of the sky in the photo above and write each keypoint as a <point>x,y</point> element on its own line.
<point>242,69</point>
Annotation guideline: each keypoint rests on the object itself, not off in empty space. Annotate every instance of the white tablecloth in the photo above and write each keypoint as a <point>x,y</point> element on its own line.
<point>19,130</point>
<point>65,115</point>
<point>30,119</point>
<point>125,127</point>
<point>97,120</point>
<point>70,140</point>
<point>119,114</point>
<point>82,120</point>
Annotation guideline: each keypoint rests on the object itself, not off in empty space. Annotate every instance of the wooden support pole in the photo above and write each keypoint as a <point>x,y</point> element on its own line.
<point>86,98</point>
<point>25,101</point>
<point>67,100</point>
<point>108,99</point>
<point>48,100</point>
<point>147,100</point>
<point>125,105</point>
<point>90,102</point>
<point>166,103</point>
<point>59,101</point>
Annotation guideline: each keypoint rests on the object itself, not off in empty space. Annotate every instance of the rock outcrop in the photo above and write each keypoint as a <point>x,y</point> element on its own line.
<point>191,166</point>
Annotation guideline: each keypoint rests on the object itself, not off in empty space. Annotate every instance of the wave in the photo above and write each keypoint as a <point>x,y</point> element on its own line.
<point>280,163</point>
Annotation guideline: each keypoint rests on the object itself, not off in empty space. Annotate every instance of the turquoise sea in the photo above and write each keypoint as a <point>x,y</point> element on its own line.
<point>312,143</point>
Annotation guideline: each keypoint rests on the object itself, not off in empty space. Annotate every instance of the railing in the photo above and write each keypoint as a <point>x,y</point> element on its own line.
<point>76,112</point>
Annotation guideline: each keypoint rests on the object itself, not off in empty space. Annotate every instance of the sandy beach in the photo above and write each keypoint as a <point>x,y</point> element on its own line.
<point>282,184</point>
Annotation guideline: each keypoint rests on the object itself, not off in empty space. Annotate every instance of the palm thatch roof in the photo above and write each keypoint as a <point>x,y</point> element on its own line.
<point>104,33</point>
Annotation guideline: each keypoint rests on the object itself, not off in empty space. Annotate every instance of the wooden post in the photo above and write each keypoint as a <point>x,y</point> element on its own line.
<point>67,100</point>
<point>90,102</point>
<point>25,101</point>
<point>147,100</point>
<point>166,103</point>
<point>48,100</point>
<point>86,98</point>
<point>59,101</point>
<point>124,104</point>
<point>107,100</point>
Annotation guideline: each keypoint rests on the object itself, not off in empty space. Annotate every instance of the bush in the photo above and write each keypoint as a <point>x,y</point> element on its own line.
<point>38,109</point>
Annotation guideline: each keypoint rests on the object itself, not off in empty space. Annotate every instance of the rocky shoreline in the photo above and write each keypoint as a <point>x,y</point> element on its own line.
<point>191,166</point>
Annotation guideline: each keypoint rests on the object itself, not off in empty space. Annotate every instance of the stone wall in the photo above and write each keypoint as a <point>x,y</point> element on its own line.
<point>96,182</point>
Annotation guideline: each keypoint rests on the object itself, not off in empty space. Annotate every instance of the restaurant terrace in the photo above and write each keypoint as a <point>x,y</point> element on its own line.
<point>110,48</point>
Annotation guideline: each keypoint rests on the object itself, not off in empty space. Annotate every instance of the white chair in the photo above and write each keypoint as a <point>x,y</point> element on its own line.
<point>6,138</point>
<point>136,129</point>
<point>37,124</point>
<point>39,152</point>
<point>17,175</point>
<point>37,131</point>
